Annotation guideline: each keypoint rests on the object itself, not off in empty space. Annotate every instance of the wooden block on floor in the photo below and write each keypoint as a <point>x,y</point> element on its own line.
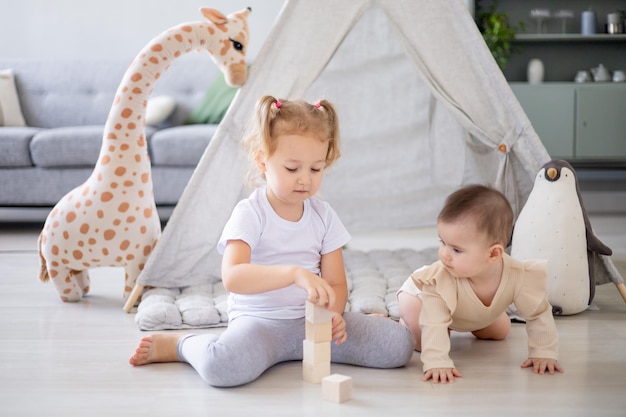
<point>314,353</point>
<point>320,332</point>
<point>316,314</point>
<point>337,388</point>
<point>314,373</point>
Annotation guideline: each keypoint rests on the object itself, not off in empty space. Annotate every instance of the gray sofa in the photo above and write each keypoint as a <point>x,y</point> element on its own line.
<point>65,105</point>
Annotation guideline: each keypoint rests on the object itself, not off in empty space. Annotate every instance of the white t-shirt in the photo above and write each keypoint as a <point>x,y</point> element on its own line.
<point>276,241</point>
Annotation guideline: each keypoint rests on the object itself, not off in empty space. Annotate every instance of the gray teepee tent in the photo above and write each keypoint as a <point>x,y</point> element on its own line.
<point>423,108</point>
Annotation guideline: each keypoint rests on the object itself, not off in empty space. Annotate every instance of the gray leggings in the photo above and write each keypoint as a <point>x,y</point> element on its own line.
<point>251,345</point>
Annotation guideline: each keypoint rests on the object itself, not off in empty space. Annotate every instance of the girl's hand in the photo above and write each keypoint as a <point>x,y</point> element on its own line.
<point>541,365</point>
<point>339,329</point>
<point>441,374</point>
<point>320,292</point>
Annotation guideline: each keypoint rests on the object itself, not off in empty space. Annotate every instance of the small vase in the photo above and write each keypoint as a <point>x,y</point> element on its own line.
<point>535,71</point>
<point>588,22</point>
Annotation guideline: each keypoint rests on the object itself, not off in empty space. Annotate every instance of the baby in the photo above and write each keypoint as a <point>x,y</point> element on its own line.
<point>473,283</point>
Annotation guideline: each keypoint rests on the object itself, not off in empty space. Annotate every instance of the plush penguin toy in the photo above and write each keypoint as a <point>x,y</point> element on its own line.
<point>553,225</point>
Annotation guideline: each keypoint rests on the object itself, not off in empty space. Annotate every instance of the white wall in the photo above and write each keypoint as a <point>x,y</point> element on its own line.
<point>118,29</point>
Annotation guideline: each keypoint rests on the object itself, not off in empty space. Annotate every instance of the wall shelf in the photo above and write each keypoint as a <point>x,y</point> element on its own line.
<point>562,54</point>
<point>568,37</point>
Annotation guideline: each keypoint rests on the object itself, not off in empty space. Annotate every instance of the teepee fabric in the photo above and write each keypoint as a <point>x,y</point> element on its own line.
<point>423,109</point>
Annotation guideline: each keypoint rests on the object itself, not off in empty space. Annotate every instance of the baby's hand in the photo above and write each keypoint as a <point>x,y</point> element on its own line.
<point>339,329</point>
<point>540,365</point>
<point>441,374</point>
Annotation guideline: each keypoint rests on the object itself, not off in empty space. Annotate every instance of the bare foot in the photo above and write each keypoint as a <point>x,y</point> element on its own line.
<point>159,347</point>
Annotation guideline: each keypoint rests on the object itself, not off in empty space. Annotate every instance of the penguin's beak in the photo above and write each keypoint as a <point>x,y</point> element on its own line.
<point>552,174</point>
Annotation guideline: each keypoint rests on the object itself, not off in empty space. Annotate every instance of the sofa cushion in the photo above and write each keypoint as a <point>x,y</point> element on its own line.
<point>14,146</point>
<point>159,109</point>
<point>77,146</point>
<point>215,103</point>
<point>10,109</point>
<point>180,146</point>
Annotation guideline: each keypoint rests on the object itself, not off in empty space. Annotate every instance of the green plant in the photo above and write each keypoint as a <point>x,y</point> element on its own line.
<point>498,33</point>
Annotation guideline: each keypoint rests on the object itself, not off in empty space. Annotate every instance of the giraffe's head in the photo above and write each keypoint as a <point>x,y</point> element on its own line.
<point>234,37</point>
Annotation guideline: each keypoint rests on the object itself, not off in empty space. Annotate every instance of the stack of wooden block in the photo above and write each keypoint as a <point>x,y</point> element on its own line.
<point>316,345</point>
<point>316,355</point>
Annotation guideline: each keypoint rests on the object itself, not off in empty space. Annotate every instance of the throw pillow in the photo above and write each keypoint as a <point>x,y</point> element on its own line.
<point>216,101</point>
<point>159,108</point>
<point>10,110</point>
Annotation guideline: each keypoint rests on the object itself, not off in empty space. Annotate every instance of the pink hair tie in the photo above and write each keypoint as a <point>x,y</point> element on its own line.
<point>317,105</point>
<point>277,104</point>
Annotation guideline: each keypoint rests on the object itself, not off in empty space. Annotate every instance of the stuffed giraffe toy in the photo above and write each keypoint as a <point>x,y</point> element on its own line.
<point>111,219</point>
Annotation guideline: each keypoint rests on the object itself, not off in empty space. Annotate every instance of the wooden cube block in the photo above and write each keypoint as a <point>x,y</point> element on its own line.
<point>316,314</point>
<point>314,353</point>
<point>318,332</point>
<point>337,388</point>
<point>314,373</point>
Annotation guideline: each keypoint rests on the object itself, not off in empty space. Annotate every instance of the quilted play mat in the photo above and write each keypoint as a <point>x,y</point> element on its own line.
<point>373,279</point>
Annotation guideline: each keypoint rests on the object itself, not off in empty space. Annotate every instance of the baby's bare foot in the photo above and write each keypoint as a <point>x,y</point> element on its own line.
<point>160,347</point>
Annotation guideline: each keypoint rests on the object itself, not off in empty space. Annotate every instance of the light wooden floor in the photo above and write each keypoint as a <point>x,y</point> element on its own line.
<point>71,360</point>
